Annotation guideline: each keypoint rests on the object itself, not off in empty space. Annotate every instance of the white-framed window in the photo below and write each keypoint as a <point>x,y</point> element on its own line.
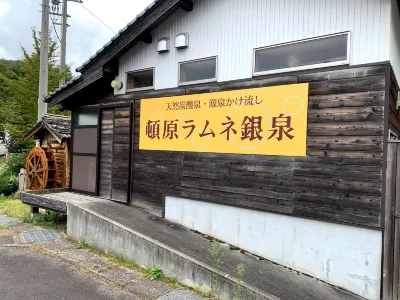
<point>140,80</point>
<point>393,136</point>
<point>318,52</point>
<point>198,71</point>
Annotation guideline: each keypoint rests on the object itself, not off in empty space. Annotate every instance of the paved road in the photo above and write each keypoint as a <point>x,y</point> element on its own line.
<point>2,149</point>
<point>29,275</point>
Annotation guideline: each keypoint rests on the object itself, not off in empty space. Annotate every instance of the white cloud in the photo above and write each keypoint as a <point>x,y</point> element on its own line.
<point>4,53</point>
<point>4,8</point>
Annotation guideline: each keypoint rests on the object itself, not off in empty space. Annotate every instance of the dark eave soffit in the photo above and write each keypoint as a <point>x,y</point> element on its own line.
<point>138,31</point>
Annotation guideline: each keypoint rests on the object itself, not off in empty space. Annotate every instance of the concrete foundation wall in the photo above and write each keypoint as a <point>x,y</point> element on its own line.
<point>345,256</point>
<point>101,233</point>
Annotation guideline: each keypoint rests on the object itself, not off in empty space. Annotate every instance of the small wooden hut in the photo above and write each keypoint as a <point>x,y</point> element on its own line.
<point>48,165</point>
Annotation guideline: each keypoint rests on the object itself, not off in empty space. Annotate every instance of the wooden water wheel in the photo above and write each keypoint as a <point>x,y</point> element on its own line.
<point>41,169</point>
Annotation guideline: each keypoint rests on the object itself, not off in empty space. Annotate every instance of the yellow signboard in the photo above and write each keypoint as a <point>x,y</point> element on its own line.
<point>268,121</point>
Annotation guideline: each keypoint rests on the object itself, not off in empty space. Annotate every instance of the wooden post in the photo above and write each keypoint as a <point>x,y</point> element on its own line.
<point>396,262</point>
<point>22,180</point>
<point>387,267</point>
<point>34,211</point>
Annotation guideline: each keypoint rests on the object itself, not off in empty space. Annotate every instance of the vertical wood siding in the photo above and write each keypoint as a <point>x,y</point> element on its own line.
<point>121,148</point>
<point>114,153</point>
<point>106,146</point>
<point>231,29</point>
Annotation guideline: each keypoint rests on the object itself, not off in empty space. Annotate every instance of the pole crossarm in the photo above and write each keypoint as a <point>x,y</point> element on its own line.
<point>57,14</point>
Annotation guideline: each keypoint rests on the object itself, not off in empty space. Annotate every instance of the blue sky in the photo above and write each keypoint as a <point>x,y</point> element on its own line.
<point>85,36</point>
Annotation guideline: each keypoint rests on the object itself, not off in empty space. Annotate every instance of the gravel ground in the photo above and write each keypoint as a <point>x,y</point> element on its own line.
<point>57,270</point>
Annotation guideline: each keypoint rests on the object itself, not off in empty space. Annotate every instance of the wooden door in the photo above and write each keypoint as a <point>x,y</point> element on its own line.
<point>106,150</point>
<point>115,148</point>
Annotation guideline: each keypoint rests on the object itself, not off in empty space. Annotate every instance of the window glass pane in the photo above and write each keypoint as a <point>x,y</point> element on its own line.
<point>141,79</point>
<point>85,140</point>
<point>198,70</point>
<point>319,51</point>
<point>84,173</point>
<point>87,117</point>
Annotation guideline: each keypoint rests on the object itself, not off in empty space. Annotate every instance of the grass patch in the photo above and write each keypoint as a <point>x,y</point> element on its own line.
<point>170,280</point>
<point>13,207</point>
<point>47,219</point>
<point>81,245</point>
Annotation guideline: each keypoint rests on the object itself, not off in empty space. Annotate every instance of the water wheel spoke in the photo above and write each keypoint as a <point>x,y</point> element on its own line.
<point>40,181</point>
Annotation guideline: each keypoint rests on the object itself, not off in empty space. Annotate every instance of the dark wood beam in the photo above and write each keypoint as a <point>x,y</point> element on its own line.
<point>102,66</point>
<point>398,6</point>
<point>127,39</point>
<point>146,38</point>
<point>111,69</point>
<point>187,5</point>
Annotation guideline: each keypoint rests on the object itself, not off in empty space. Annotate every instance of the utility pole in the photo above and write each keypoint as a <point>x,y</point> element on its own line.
<point>44,60</point>
<point>63,38</point>
<point>64,26</point>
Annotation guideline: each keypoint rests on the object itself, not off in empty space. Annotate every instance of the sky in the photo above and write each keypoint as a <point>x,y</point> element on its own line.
<point>85,36</point>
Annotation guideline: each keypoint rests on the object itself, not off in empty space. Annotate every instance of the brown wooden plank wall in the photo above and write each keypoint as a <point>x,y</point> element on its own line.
<point>340,179</point>
<point>106,146</point>
<point>155,173</point>
<point>121,148</point>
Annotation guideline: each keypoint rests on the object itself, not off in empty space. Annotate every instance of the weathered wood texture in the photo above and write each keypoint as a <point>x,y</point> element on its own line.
<point>106,146</point>
<point>391,245</point>
<point>121,149</point>
<point>340,179</point>
<point>115,142</point>
<point>40,200</point>
<point>390,263</point>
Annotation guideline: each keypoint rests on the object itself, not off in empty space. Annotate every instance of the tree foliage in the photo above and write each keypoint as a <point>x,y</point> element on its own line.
<point>19,90</point>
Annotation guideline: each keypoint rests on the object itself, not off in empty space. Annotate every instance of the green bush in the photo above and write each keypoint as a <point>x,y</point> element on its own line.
<point>8,183</point>
<point>9,173</point>
<point>15,163</point>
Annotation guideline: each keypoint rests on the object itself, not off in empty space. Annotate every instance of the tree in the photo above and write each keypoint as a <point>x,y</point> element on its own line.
<point>18,107</point>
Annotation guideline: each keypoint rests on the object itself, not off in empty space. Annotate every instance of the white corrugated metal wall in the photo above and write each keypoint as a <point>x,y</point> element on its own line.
<point>394,53</point>
<point>231,29</point>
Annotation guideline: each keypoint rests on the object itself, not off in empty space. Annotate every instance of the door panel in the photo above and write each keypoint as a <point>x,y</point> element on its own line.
<point>121,149</point>
<point>106,148</point>
<point>85,131</point>
<point>115,154</point>
<point>85,171</point>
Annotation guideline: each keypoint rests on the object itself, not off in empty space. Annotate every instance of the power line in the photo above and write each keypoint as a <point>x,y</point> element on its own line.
<point>54,20</point>
<point>98,18</point>
<point>55,29</point>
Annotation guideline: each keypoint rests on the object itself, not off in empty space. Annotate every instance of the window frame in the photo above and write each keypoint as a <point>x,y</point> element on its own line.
<point>82,110</point>
<point>143,88</point>
<point>307,67</point>
<point>215,79</point>
<point>393,133</point>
